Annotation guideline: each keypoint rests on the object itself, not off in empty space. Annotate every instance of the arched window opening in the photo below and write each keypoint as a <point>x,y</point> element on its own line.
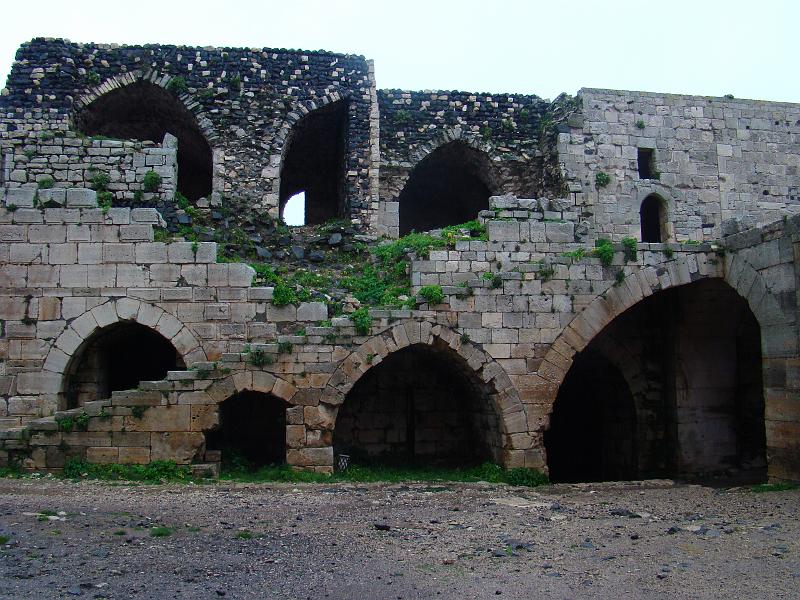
<point>251,431</point>
<point>671,387</point>
<point>449,186</point>
<point>418,406</point>
<point>118,357</point>
<point>591,436</point>
<point>653,220</point>
<point>145,111</point>
<point>314,162</point>
<point>294,211</point>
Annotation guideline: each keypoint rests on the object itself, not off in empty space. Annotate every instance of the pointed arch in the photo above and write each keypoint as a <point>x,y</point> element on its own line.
<point>774,321</point>
<point>514,444</point>
<point>141,106</point>
<point>449,184</point>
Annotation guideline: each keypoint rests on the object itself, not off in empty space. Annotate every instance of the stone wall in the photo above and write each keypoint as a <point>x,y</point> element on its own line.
<point>245,102</point>
<point>518,307</point>
<point>714,159</point>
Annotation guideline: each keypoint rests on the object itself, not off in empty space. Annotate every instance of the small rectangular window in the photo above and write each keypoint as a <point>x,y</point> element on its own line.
<point>646,157</point>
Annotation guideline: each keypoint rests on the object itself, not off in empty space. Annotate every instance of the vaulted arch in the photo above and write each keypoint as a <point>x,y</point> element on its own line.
<point>450,185</point>
<point>511,443</point>
<point>313,161</point>
<point>730,353</point>
<point>142,108</point>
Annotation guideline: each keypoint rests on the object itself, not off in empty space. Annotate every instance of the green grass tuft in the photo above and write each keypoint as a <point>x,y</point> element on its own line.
<point>160,532</point>
<point>774,487</point>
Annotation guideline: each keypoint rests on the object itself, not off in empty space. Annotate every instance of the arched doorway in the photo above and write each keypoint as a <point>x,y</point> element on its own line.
<point>118,357</point>
<point>251,431</point>
<point>419,405</point>
<point>145,111</point>
<point>678,377</point>
<point>652,217</point>
<point>314,163</point>
<point>449,186</point>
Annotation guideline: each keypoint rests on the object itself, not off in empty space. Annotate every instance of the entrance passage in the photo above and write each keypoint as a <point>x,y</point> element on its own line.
<point>251,431</point>
<point>591,436</point>
<point>145,111</point>
<point>671,387</point>
<point>419,406</point>
<point>314,162</point>
<point>450,186</point>
<point>118,357</point>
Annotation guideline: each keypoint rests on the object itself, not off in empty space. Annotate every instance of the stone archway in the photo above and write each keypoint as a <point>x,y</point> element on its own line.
<point>736,273</point>
<point>124,310</point>
<point>514,444</point>
<point>142,107</point>
<point>281,148</point>
<point>450,184</point>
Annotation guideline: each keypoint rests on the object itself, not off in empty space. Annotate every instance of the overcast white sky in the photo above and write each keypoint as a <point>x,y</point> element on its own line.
<point>745,48</point>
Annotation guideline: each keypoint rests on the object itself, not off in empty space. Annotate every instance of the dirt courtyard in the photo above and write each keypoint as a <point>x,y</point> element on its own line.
<point>653,539</point>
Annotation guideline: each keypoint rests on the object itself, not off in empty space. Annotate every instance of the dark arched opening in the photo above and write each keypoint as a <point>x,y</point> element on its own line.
<point>449,186</point>
<point>591,435</point>
<point>687,363</point>
<point>314,163</point>
<point>420,405</point>
<point>118,357</point>
<point>145,111</point>
<point>651,217</point>
<point>251,431</point>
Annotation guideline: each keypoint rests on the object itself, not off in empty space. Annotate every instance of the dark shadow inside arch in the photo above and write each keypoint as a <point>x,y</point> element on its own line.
<point>251,431</point>
<point>118,357</point>
<point>591,435</point>
<point>672,387</point>
<point>145,111</point>
<point>420,406</point>
<point>652,217</point>
<point>314,163</point>
<point>449,186</point>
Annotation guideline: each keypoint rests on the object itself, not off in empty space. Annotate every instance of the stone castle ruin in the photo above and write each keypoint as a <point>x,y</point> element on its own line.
<point>622,303</point>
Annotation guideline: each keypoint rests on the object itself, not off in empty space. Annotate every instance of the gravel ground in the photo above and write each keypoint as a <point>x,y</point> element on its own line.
<point>633,540</point>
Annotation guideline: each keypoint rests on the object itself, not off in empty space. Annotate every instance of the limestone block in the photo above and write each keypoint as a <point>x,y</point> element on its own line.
<point>20,197</point>
<point>206,252</point>
<point>119,253</point>
<point>101,275</point>
<point>240,274</point>
<point>182,447</point>
<point>105,314</point>
<point>204,417</point>
<point>134,455</point>
<point>38,383</point>
<point>503,231</point>
<point>180,252</point>
<point>102,455</point>
<point>136,233</point>
<point>312,311</point>
<point>560,232</point>
<point>307,457</point>
<point>175,417</point>
<point>283,313</point>
<point>321,416</point>
<point>81,198</point>
<point>295,436</point>
<point>146,215</point>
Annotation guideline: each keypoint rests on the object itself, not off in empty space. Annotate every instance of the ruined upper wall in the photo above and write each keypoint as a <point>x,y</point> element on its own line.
<point>246,101</point>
